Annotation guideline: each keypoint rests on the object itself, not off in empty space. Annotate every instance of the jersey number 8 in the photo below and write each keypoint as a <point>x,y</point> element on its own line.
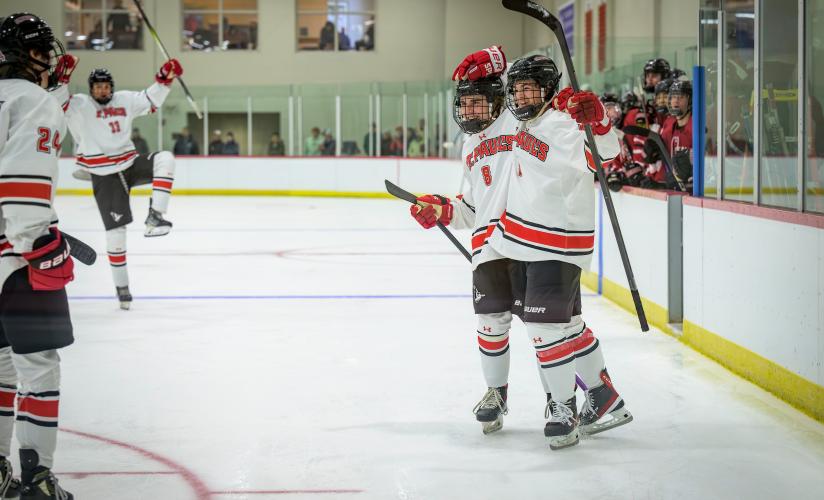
<point>487,174</point>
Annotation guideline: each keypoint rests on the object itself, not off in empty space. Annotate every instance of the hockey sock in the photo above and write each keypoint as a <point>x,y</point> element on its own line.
<point>8,389</point>
<point>116,247</point>
<point>38,402</point>
<point>164,173</point>
<point>493,342</point>
<point>589,359</point>
<point>556,358</point>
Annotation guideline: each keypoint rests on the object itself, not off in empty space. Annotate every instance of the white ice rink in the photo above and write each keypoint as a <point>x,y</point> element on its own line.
<point>302,348</point>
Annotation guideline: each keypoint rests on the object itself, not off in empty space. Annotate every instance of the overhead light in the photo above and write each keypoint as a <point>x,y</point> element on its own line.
<point>746,15</point>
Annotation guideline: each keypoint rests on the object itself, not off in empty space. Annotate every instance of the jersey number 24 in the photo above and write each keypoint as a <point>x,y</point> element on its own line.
<point>47,140</point>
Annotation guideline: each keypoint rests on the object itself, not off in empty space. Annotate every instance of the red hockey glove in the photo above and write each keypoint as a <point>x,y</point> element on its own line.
<point>560,100</point>
<point>487,62</point>
<point>50,265</point>
<point>65,65</point>
<point>586,108</point>
<point>436,208</point>
<point>169,71</point>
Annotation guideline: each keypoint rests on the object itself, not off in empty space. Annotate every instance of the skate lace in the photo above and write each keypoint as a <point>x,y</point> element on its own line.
<point>559,412</point>
<point>589,403</point>
<point>59,493</point>
<point>492,399</point>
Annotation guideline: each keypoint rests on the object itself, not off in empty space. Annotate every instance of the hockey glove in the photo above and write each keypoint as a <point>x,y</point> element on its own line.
<point>168,72</point>
<point>561,99</point>
<point>682,166</point>
<point>431,209</point>
<point>616,180</point>
<point>50,265</point>
<point>585,107</point>
<point>651,151</point>
<point>65,65</point>
<point>487,62</point>
<point>634,174</point>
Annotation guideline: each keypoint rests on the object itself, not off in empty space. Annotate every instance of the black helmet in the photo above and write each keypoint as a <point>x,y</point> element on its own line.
<point>19,34</point>
<point>659,66</point>
<point>630,101</point>
<point>542,70</point>
<point>610,97</point>
<point>677,73</point>
<point>490,88</point>
<point>101,75</point>
<point>680,88</point>
<point>661,97</point>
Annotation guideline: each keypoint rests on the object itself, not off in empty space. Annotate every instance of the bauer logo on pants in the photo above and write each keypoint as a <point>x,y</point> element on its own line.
<point>116,217</point>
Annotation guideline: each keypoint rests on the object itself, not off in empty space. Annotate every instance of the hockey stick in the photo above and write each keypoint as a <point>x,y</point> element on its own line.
<point>539,13</point>
<point>167,56</point>
<point>659,143</point>
<point>79,250</point>
<point>399,192</point>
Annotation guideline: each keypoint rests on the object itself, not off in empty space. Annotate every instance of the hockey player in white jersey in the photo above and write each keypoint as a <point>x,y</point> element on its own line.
<point>35,264</point>
<point>101,124</point>
<point>479,110</point>
<point>549,225</point>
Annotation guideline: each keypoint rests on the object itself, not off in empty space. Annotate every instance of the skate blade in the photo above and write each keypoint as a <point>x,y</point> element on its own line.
<point>618,418</point>
<point>494,426</point>
<point>561,442</point>
<point>156,231</point>
<point>125,305</point>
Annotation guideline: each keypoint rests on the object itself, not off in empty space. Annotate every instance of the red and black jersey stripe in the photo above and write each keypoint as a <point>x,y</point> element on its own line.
<point>38,408</point>
<point>548,239</point>
<point>99,161</point>
<point>32,190</point>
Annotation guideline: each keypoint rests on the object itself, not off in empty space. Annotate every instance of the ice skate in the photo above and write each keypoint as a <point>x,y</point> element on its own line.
<point>562,428</point>
<point>491,409</point>
<point>9,487</point>
<point>125,297</point>
<point>604,408</point>
<point>38,482</point>
<point>156,225</point>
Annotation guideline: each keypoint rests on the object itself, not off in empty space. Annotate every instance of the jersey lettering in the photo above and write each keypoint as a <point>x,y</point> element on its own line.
<point>488,148</point>
<point>110,112</point>
<point>532,145</point>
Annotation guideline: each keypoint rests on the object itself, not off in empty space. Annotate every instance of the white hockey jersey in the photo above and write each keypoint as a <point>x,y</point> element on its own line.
<point>550,209</point>
<point>32,127</point>
<point>487,173</point>
<point>103,133</point>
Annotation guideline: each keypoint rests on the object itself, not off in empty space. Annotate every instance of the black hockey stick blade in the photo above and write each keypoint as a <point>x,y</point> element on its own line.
<point>539,13</point>
<point>165,52</point>
<point>79,250</point>
<point>636,130</point>
<point>399,192</point>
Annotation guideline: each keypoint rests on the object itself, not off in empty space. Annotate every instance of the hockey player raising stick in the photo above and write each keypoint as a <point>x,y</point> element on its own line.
<point>101,124</point>
<point>549,226</point>
<point>35,264</point>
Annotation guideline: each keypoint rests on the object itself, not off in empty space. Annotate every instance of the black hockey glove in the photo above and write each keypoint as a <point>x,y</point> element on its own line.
<point>682,166</point>
<point>634,174</point>
<point>651,151</point>
<point>616,180</point>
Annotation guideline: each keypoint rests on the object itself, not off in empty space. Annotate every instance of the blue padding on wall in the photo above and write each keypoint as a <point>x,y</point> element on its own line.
<point>699,130</point>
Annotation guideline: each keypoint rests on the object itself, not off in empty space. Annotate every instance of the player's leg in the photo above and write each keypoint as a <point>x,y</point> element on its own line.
<point>8,390</point>
<point>36,324</point>
<point>603,408</point>
<point>159,170</point>
<point>111,192</point>
<point>548,314</point>
<point>493,301</point>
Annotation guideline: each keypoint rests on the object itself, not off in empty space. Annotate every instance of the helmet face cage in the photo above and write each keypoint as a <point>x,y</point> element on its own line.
<point>20,34</point>
<point>101,75</point>
<point>477,104</point>
<point>677,90</point>
<point>661,99</point>
<point>543,74</point>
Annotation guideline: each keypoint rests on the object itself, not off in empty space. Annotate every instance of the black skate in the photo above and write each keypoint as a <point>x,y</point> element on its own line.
<point>491,409</point>
<point>562,428</point>
<point>156,225</point>
<point>38,482</point>
<point>604,408</point>
<point>9,487</point>
<point>125,297</point>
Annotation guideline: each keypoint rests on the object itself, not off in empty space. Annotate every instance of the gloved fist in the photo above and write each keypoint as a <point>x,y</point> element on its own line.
<point>561,99</point>
<point>634,174</point>
<point>682,168</point>
<point>431,209</point>
<point>651,151</point>
<point>615,180</point>
<point>487,62</point>
<point>585,107</point>
<point>168,72</point>
<point>65,65</point>
<point>50,265</point>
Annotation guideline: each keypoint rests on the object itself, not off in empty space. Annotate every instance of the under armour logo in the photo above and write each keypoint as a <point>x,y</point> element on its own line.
<point>537,340</point>
<point>487,329</point>
<point>478,295</point>
<point>116,217</point>
<point>482,136</point>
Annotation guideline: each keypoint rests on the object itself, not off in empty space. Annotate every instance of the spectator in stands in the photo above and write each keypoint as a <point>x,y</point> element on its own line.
<point>185,144</point>
<point>370,146</point>
<point>343,40</point>
<point>414,144</point>
<point>386,144</point>
<point>216,145</point>
<point>327,36</point>
<point>231,147</point>
<point>396,146</point>
<point>368,40</point>
<point>119,27</point>
<point>276,146</point>
<point>139,142</point>
<point>313,143</point>
<point>328,146</point>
